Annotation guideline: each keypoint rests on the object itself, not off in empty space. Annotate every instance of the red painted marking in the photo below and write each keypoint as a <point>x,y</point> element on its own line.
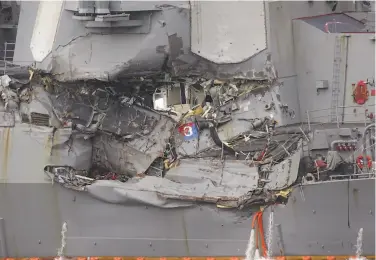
<point>360,93</point>
<point>373,92</point>
<point>320,164</point>
<point>184,129</point>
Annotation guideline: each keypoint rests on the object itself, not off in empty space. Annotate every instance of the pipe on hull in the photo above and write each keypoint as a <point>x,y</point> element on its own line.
<point>332,144</point>
<point>3,245</point>
<point>364,138</point>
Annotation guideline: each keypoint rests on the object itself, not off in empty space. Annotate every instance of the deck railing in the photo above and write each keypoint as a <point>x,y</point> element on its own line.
<point>361,116</point>
<point>353,176</point>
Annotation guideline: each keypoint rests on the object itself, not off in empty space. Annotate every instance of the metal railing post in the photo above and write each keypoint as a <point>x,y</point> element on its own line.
<point>309,123</point>
<point>337,117</point>
<point>5,57</point>
<point>365,116</point>
<point>3,245</point>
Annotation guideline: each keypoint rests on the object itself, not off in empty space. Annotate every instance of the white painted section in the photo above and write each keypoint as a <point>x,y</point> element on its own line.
<point>45,28</point>
<point>227,32</point>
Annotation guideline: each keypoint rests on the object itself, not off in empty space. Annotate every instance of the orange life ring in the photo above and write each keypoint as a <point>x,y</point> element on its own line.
<point>360,93</point>
<point>360,161</point>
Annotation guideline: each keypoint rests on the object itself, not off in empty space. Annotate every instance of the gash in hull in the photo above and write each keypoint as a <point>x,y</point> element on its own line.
<point>161,128</point>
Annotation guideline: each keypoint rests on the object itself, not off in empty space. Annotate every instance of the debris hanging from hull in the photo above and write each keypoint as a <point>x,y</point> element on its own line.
<point>163,141</point>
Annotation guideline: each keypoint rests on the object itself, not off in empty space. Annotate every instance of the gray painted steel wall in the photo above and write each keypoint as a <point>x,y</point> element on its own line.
<point>361,66</point>
<point>324,219</point>
<point>33,215</point>
<point>314,62</point>
<point>314,53</point>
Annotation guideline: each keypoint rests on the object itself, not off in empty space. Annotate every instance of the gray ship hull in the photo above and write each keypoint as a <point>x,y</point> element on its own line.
<point>325,218</point>
<point>33,214</point>
<point>241,99</point>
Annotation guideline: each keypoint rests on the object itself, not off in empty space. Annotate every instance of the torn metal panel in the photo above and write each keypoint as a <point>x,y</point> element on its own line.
<point>128,137</point>
<point>68,177</point>
<point>71,148</point>
<point>163,193</point>
<point>228,173</point>
<point>284,174</point>
<point>129,120</point>
<point>81,114</point>
<point>117,156</point>
<point>154,140</point>
<point>142,192</point>
<point>174,19</point>
<point>139,152</point>
<point>244,106</point>
<point>111,133</point>
<point>73,105</point>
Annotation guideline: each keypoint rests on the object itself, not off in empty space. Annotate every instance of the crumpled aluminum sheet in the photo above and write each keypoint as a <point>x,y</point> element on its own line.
<point>164,193</point>
<point>284,174</point>
<point>134,156</point>
<point>71,148</point>
<point>227,186</point>
<point>229,173</point>
<point>67,177</point>
<point>220,183</point>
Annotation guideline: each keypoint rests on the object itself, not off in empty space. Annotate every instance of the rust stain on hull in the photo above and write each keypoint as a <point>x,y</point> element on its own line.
<point>5,152</point>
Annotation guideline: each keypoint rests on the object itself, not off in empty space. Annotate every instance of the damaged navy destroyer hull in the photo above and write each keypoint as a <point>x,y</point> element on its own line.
<point>160,129</point>
<point>117,172</point>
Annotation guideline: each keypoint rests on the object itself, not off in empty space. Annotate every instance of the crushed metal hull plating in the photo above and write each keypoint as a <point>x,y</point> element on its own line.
<point>187,129</point>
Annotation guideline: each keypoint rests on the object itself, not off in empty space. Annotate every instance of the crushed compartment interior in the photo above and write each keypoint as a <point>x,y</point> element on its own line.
<point>169,142</point>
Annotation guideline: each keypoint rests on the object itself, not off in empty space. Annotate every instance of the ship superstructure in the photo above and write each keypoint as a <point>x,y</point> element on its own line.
<point>161,128</point>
